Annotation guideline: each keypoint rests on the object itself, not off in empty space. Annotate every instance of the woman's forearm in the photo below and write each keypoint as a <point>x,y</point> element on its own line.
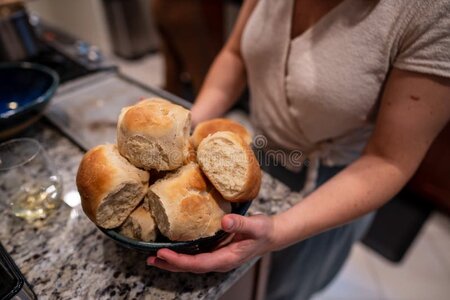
<point>360,188</point>
<point>223,85</point>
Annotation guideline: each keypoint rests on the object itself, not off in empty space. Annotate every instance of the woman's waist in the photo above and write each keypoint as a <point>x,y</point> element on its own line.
<point>294,153</point>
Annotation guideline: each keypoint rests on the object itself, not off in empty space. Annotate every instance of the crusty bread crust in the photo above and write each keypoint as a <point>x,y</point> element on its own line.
<point>192,154</point>
<point>101,176</point>
<point>185,206</point>
<point>154,134</point>
<point>140,225</point>
<point>212,126</point>
<point>252,179</point>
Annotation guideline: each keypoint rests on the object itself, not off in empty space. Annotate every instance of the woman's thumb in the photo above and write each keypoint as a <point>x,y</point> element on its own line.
<point>239,224</point>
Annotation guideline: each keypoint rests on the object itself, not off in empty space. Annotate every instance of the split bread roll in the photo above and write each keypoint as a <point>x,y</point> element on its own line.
<point>185,206</point>
<point>110,187</point>
<point>140,225</point>
<point>154,134</point>
<point>212,126</point>
<point>230,165</point>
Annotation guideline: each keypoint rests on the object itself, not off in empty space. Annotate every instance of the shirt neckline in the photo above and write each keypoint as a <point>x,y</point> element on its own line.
<point>319,23</point>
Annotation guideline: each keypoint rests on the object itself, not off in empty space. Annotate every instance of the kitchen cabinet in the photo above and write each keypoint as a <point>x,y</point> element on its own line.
<point>252,285</point>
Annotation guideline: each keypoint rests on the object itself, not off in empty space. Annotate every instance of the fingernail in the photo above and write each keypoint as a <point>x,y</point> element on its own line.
<point>229,223</point>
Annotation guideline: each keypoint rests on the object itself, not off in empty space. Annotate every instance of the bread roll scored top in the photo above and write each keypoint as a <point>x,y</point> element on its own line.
<point>230,165</point>
<point>186,207</point>
<point>110,187</point>
<point>154,134</point>
<point>212,126</point>
<point>140,225</point>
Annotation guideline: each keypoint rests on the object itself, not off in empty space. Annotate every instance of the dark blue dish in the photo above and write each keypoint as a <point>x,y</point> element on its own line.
<point>25,90</point>
<point>191,247</point>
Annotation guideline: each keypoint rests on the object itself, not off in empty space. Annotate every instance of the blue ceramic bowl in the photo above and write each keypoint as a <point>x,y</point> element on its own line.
<point>25,90</point>
<point>191,247</point>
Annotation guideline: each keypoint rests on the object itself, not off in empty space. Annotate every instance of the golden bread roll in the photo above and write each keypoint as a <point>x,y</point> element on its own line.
<point>110,187</point>
<point>185,206</point>
<point>154,134</point>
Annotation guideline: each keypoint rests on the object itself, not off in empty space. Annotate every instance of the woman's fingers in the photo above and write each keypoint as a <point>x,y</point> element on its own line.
<point>220,260</point>
<point>159,263</point>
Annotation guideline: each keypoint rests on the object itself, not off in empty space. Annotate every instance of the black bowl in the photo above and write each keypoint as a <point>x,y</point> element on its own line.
<point>25,90</point>
<point>191,247</point>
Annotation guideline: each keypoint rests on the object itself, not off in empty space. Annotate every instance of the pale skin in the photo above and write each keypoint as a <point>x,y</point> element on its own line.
<point>414,109</point>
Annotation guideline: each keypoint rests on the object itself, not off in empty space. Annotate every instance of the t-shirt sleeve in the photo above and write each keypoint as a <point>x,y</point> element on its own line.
<point>425,42</point>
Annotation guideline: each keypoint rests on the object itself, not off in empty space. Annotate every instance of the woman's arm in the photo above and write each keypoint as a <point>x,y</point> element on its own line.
<point>414,109</point>
<point>226,78</point>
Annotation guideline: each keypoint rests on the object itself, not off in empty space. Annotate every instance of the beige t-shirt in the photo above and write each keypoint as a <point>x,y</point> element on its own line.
<point>319,93</point>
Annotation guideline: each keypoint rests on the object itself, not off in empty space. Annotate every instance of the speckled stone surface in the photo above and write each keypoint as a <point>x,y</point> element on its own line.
<point>67,257</point>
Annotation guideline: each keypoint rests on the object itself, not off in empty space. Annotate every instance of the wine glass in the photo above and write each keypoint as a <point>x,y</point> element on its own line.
<point>29,182</point>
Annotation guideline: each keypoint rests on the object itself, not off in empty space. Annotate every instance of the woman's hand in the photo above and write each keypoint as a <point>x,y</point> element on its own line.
<point>253,236</point>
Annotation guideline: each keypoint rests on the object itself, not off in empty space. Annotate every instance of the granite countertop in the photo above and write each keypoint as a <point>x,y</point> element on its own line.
<point>67,257</point>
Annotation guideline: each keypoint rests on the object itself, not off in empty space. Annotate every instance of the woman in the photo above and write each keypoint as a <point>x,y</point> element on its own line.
<point>362,88</point>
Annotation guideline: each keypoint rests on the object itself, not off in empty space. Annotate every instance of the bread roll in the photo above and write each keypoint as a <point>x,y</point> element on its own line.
<point>140,225</point>
<point>230,165</point>
<point>110,187</point>
<point>185,206</point>
<point>154,134</point>
<point>212,126</point>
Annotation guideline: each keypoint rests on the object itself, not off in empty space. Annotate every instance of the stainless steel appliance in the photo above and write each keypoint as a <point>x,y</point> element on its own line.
<point>18,40</point>
<point>70,57</point>
<point>131,30</point>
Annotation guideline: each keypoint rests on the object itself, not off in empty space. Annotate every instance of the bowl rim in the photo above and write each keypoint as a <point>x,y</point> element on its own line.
<point>113,234</point>
<point>42,98</point>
